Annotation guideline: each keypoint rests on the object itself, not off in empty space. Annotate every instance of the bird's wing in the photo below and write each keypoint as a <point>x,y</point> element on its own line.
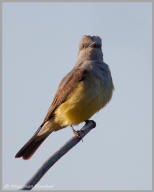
<point>68,83</point>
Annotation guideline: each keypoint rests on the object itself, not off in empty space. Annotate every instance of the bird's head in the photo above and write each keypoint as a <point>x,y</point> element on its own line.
<point>90,41</point>
<point>90,47</point>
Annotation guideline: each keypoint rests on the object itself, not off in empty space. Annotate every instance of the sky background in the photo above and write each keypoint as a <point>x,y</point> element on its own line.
<point>40,46</point>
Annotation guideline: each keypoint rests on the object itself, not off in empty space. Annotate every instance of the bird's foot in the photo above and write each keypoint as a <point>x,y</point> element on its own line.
<point>76,133</point>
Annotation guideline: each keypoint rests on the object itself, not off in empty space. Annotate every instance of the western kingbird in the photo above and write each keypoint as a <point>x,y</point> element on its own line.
<point>82,92</point>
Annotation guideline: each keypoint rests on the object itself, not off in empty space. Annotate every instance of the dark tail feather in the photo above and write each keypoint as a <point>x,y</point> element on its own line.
<point>31,146</point>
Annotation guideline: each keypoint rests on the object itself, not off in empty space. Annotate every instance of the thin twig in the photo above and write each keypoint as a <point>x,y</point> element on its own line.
<point>58,154</point>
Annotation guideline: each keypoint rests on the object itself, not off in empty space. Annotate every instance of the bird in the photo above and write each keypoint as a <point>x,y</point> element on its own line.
<point>86,89</point>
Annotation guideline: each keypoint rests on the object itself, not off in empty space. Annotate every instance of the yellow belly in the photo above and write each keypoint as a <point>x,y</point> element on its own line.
<point>86,99</point>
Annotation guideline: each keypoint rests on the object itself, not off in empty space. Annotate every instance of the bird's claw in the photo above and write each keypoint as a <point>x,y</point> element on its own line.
<point>77,133</point>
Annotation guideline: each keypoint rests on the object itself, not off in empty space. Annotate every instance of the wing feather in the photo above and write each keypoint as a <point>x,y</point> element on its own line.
<point>68,83</point>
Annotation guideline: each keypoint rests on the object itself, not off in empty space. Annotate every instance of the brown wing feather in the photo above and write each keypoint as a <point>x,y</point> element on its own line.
<point>66,86</point>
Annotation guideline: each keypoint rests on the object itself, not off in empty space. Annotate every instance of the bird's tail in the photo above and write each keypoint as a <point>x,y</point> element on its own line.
<point>37,139</point>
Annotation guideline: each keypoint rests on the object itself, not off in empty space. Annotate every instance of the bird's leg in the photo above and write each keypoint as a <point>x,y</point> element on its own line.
<point>76,133</point>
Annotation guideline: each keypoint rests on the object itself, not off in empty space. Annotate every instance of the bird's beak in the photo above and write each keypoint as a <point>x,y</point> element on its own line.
<point>91,44</point>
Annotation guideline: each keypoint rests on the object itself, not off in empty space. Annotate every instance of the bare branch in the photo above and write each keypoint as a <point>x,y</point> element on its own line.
<point>58,154</point>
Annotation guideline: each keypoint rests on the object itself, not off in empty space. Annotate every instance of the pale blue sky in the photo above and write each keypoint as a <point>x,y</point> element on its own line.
<point>40,45</point>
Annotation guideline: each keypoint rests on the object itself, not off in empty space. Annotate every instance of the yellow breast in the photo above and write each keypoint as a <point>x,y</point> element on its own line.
<point>86,99</point>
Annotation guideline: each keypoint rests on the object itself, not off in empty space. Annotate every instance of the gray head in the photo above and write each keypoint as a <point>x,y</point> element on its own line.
<point>90,48</point>
<point>90,41</point>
